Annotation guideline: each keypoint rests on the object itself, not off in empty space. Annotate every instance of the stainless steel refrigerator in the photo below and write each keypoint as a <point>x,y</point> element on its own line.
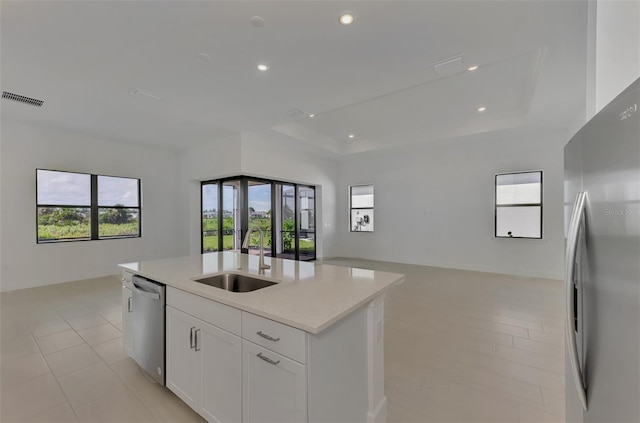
<point>602,275</point>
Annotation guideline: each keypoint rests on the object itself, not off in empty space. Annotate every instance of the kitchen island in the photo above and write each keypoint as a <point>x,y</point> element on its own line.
<point>307,349</point>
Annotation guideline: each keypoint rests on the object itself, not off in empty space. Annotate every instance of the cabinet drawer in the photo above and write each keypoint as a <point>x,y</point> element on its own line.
<point>283,339</point>
<point>220,315</point>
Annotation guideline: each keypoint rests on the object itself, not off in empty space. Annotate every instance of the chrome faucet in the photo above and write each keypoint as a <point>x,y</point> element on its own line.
<point>245,244</point>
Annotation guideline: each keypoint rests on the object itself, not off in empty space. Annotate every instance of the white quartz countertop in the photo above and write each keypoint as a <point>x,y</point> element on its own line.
<point>308,295</point>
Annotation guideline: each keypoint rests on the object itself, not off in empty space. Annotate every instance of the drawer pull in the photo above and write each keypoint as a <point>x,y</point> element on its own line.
<point>267,359</point>
<point>265,336</point>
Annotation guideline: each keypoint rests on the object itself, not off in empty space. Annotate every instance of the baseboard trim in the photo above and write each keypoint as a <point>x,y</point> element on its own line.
<point>379,415</point>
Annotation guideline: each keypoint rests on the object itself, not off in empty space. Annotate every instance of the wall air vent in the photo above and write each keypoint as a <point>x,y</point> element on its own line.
<point>22,99</point>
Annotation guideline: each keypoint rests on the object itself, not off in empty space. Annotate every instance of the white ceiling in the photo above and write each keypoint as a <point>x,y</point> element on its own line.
<point>374,78</point>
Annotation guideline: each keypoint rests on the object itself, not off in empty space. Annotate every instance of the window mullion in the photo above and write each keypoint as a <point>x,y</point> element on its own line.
<point>220,228</point>
<point>94,207</point>
<point>296,221</point>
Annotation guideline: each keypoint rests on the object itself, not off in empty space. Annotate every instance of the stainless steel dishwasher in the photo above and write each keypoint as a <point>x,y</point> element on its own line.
<point>148,308</point>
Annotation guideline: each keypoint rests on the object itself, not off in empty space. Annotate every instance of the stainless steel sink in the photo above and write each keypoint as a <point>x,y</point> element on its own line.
<point>234,282</point>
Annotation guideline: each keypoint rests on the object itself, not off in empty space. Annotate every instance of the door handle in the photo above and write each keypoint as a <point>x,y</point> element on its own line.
<point>197,347</point>
<point>572,249</point>
<point>149,295</point>
<point>191,338</point>
<point>129,304</point>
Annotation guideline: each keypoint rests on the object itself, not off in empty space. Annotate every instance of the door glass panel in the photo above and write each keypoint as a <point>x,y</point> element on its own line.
<point>259,201</point>
<point>231,216</point>
<point>307,222</point>
<point>209,218</point>
<point>285,221</point>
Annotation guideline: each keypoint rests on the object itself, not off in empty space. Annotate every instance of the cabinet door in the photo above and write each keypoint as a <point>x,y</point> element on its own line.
<point>274,387</point>
<point>183,376</point>
<point>127,329</point>
<point>221,374</point>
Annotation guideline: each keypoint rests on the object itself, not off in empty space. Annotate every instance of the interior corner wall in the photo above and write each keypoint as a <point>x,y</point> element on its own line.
<point>617,48</point>
<point>27,264</point>
<point>1,191</point>
<point>434,204</point>
<point>275,156</point>
<point>215,159</point>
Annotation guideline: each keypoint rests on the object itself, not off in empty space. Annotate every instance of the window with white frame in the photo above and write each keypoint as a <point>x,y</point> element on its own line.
<point>518,205</point>
<point>361,208</point>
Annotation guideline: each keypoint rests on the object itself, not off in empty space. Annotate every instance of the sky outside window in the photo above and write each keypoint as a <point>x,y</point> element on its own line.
<point>260,197</point>
<point>120,191</point>
<point>63,188</point>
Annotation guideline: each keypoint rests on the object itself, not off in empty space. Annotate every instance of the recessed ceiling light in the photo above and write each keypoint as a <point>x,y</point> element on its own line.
<point>257,21</point>
<point>263,67</point>
<point>482,109</point>
<point>311,115</point>
<point>346,18</point>
<point>352,136</point>
<point>472,68</point>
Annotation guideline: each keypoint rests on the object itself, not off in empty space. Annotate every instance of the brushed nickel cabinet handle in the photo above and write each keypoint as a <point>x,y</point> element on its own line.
<point>267,359</point>
<point>265,336</point>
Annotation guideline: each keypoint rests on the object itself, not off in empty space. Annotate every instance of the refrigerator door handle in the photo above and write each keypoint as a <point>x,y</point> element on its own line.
<point>572,246</point>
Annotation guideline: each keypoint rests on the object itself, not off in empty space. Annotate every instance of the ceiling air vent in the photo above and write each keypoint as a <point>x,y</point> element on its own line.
<point>449,66</point>
<point>295,114</point>
<point>22,99</point>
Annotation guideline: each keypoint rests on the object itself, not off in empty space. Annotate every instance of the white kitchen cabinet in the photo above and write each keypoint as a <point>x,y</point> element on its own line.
<point>221,374</point>
<point>182,372</point>
<point>233,366</point>
<point>204,367</point>
<point>127,328</point>
<point>274,388</point>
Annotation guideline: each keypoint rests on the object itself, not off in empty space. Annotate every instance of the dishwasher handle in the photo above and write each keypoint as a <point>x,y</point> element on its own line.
<point>145,294</point>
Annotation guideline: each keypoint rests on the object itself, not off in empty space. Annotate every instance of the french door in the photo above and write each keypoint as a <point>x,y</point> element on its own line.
<point>285,212</point>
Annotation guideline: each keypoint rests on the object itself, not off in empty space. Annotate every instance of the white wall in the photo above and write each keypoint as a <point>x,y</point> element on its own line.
<point>26,263</point>
<point>268,155</point>
<point>617,48</point>
<point>276,156</point>
<point>215,159</point>
<point>434,205</point>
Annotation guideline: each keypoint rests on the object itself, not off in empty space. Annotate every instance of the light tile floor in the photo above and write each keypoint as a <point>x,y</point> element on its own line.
<point>460,346</point>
